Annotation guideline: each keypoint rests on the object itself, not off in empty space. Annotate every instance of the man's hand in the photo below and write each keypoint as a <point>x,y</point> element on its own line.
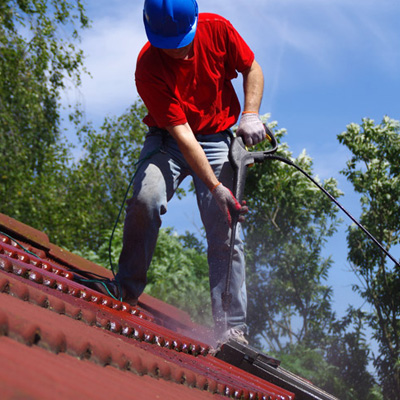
<point>251,129</point>
<point>228,203</point>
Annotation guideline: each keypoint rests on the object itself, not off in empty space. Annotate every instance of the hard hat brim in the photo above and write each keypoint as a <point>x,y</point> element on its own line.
<point>170,42</point>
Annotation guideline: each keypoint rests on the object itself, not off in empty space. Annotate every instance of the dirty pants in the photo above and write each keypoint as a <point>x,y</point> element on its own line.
<point>156,180</point>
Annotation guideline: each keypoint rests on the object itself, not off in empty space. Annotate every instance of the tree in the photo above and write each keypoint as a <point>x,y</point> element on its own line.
<point>290,313</point>
<point>38,56</point>
<point>348,352</point>
<point>76,201</point>
<point>178,273</point>
<point>96,190</point>
<point>98,180</point>
<point>287,226</point>
<point>374,171</point>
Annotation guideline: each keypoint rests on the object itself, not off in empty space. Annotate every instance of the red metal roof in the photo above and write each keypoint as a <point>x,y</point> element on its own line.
<point>61,339</point>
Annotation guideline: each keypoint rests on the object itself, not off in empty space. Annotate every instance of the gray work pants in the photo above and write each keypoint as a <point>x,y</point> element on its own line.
<point>157,178</point>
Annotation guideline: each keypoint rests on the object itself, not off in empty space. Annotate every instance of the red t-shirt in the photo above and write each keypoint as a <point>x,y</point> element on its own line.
<point>197,90</point>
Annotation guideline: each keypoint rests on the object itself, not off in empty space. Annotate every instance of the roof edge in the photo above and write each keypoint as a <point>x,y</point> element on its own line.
<point>75,261</point>
<point>16,228</point>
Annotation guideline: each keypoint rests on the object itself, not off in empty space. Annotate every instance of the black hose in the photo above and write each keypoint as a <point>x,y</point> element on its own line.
<point>286,161</point>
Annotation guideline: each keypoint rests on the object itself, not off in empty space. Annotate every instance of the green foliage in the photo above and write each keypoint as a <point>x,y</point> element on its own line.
<point>178,273</point>
<point>290,310</point>
<point>35,62</point>
<point>179,276</point>
<point>374,172</point>
<point>98,180</point>
<point>287,226</point>
<point>348,352</point>
<point>312,365</point>
<point>76,202</point>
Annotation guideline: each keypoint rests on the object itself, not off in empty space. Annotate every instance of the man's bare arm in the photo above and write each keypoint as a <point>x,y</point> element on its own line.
<point>253,86</point>
<point>251,128</point>
<point>193,153</point>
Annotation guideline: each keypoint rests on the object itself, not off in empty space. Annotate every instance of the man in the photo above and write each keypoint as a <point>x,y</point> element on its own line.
<point>183,75</point>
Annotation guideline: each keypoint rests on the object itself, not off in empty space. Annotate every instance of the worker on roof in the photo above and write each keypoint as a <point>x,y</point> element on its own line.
<point>183,75</point>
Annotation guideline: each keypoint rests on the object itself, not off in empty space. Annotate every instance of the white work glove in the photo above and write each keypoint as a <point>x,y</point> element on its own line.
<point>228,203</point>
<point>251,129</point>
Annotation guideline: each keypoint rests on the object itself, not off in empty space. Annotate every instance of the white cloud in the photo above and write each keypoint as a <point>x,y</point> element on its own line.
<point>317,29</point>
<point>111,47</point>
<point>294,40</point>
<point>111,50</point>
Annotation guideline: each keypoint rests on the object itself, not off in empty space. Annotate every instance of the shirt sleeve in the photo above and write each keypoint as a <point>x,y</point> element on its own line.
<point>240,56</point>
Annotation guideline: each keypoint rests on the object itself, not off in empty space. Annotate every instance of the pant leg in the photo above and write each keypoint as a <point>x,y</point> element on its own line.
<point>156,180</point>
<point>218,234</point>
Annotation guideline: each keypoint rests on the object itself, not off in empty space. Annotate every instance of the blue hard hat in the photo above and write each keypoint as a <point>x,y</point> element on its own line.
<point>170,24</point>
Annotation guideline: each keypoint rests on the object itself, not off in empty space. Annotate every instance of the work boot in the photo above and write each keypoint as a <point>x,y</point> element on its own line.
<point>233,334</point>
<point>115,290</point>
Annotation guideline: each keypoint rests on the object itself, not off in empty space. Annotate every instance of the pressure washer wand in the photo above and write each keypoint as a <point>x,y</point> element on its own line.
<point>240,160</point>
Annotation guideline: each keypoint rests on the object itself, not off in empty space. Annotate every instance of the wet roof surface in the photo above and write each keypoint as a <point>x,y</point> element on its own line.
<point>61,339</point>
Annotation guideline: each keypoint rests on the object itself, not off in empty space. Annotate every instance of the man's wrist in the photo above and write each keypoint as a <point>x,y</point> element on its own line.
<point>249,112</point>
<point>215,186</point>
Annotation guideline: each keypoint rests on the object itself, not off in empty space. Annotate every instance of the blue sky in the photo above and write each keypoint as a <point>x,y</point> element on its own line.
<point>327,63</point>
